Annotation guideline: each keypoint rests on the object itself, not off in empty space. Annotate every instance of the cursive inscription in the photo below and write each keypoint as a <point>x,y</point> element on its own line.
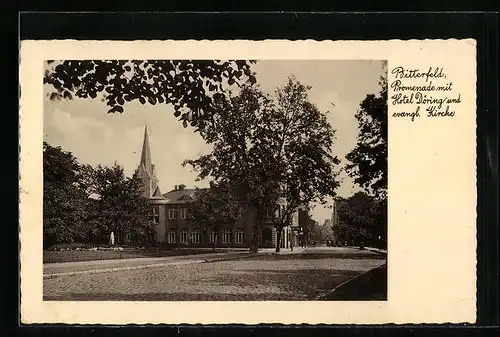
<point>422,92</point>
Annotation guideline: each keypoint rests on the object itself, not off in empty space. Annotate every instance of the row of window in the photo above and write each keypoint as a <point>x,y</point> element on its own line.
<point>193,236</point>
<point>172,213</point>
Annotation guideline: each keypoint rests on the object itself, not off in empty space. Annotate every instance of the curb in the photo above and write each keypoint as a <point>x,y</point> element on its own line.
<point>208,260</point>
<point>106,270</point>
<point>247,255</point>
<point>286,253</point>
<point>374,250</point>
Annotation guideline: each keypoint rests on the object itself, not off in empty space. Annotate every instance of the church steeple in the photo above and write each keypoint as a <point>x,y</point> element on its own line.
<point>146,169</point>
<point>146,153</point>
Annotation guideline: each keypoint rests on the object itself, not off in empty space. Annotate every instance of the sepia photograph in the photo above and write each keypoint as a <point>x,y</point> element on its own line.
<point>247,182</point>
<point>215,180</point>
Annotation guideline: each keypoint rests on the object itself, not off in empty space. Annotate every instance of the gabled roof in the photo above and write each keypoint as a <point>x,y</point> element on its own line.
<point>157,192</point>
<point>181,195</point>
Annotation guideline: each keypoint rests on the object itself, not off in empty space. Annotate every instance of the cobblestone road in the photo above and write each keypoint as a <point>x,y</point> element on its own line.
<point>303,276</point>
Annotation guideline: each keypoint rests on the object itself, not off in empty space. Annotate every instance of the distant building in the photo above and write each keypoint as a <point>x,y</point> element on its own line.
<point>170,214</point>
<point>335,216</point>
<point>334,222</point>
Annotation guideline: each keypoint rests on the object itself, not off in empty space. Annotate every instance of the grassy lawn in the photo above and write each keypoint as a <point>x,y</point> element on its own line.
<point>73,256</point>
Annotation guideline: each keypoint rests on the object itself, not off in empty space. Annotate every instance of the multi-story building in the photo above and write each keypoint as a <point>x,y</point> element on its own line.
<point>170,214</point>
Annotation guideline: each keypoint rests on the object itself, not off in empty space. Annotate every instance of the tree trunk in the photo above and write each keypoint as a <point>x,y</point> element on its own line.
<point>257,229</point>
<point>214,244</point>
<point>278,239</point>
<point>254,248</point>
<point>254,243</point>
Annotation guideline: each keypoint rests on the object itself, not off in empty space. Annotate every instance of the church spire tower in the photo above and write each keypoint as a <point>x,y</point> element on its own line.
<point>146,153</point>
<point>146,169</point>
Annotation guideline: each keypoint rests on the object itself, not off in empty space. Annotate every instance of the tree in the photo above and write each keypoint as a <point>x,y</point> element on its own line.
<point>119,206</point>
<point>368,160</point>
<point>85,204</point>
<point>276,151</point>
<point>318,232</point>
<point>237,159</point>
<point>63,200</point>
<point>306,224</point>
<point>326,230</point>
<point>298,139</point>
<point>191,86</point>
<point>216,208</point>
<point>362,219</point>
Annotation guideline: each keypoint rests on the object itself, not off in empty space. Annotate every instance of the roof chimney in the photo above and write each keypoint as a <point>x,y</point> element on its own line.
<point>182,186</point>
<point>175,188</point>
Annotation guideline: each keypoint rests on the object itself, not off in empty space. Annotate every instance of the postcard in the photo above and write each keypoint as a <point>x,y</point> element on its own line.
<point>220,182</point>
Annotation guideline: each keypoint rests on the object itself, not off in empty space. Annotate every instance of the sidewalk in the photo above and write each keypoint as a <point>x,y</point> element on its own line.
<point>51,270</point>
<point>97,266</point>
<point>377,250</point>
<point>283,251</point>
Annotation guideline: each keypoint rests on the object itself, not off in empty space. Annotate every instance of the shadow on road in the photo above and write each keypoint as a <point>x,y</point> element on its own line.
<point>371,286</point>
<point>298,284</point>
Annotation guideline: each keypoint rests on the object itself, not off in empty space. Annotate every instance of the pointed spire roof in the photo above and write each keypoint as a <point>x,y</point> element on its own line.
<point>146,153</point>
<point>157,192</point>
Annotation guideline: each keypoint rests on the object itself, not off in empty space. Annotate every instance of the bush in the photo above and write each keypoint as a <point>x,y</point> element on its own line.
<point>82,246</point>
<point>69,246</point>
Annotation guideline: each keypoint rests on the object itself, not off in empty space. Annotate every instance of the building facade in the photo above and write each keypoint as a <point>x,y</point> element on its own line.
<point>170,214</point>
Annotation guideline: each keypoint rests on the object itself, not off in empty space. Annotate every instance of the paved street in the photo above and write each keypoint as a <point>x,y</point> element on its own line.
<point>301,275</point>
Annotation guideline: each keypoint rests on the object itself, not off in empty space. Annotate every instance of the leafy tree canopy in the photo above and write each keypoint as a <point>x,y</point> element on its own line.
<point>368,160</point>
<point>216,208</point>
<point>85,204</point>
<point>119,204</point>
<point>191,86</point>
<point>63,201</point>
<point>272,148</point>
<point>361,217</point>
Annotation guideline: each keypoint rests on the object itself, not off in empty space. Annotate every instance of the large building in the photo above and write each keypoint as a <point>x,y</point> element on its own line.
<point>170,215</point>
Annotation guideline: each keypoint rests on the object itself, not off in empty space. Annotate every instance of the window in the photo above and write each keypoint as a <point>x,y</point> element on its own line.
<point>183,214</point>
<point>212,237</point>
<point>195,236</point>
<point>155,218</point>
<point>171,213</point>
<point>184,236</point>
<point>226,236</point>
<point>238,236</point>
<point>172,236</point>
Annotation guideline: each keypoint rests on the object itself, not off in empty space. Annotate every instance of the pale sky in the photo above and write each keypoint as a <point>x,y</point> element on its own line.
<point>95,137</point>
